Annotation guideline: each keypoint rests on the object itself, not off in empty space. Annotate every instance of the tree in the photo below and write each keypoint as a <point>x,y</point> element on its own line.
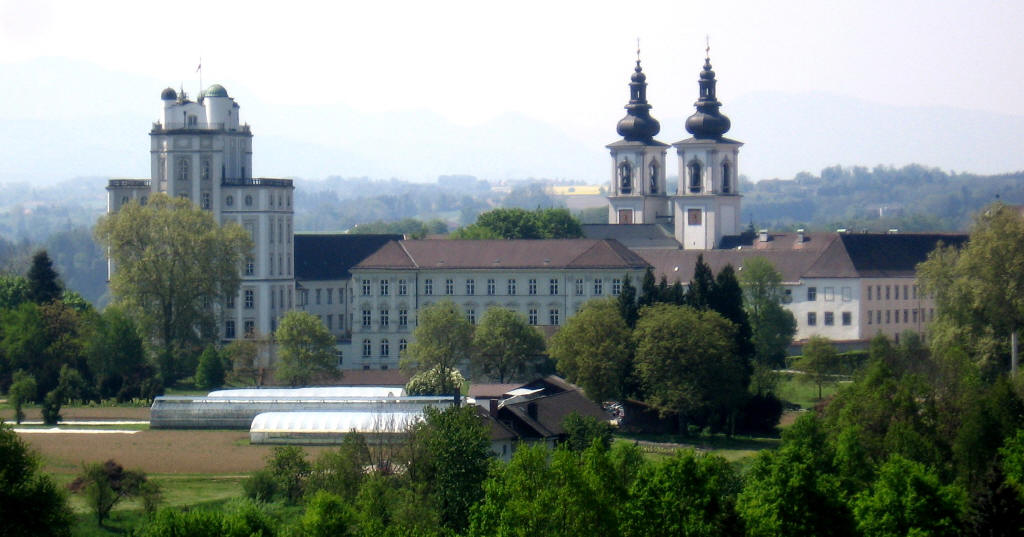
<point>558,223</point>
<point>305,348</point>
<point>514,223</point>
<point>115,355</point>
<point>505,346</point>
<point>450,453</point>
<point>341,471</point>
<point>772,326</point>
<point>289,468</point>
<point>727,299</point>
<point>42,279</point>
<point>13,291</point>
<point>649,291</point>
<point>327,515</point>
<point>628,307</point>
<point>23,390</point>
<point>698,294</point>
<point>30,502</point>
<point>431,382</point>
<point>687,364</point>
<point>174,263</point>
<point>908,499</point>
<point>106,484</point>
<point>583,431</point>
<point>820,362</point>
<point>974,287</point>
<point>210,373</point>
<point>244,357</point>
<point>595,350</point>
<point>442,340</point>
<point>687,494</point>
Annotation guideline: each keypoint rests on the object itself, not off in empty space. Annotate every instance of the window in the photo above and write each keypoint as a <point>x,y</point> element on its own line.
<point>625,177</point>
<point>250,266</point>
<point>511,287</point>
<point>598,287</point>
<point>403,318</point>
<point>888,319</point>
<point>231,302</point>
<point>726,178</point>
<point>330,321</point>
<point>887,292</point>
<point>812,294</point>
<point>905,295</point>
<point>869,315</point>
<point>248,201</point>
<point>330,295</point>
<point>367,348</point>
<point>273,300</point>
<point>878,292</point>
<point>471,315</point>
<point>403,288</point>
<point>553,286</point>
<point>830,294</point>
<point>270,264</point>
<point>490,286</point>
<point>182,174</point>
<point>384,291</point>
<point>204,170</point>
<point>531,286</point>
<point>470,287</point>
<point>341,357</point>
<point>385,348</point>
<point>694,169</point>
<point>915,292</point>
<point>878,317</point>
<point>449,286</point>
<point>402,344</point>
<point>270,233</point>
<point>553,316</point>
<point>847,294</point>
<point>906,316</point>
<point>206,200</point>
<point>229,329</point>
<point>914,315</point>
<point>653,170</point>
<point>318,297</point>
<point>579,286</point>
<point>367,318</point>
<point>250,299</point>
<point>812,318</point>
<point>895,292</point>
<point>531,316</point>
<point>830,318</point>
<point>616,286</point>
<point>428,287</point>
<point>384,318</point>
<point>869,292</point>
<point>250,329</point>
<point>693,217</point>
<point>366,287</point>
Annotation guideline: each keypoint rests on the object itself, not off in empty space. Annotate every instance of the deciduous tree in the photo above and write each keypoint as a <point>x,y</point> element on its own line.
<point>820,362</point>
<point>595,350</point>
<point>505,346</point>
<point>442,340</point>
<point>772,326</point>
<point>30,502</point>
<point>305,348</point>
<point>106,484</point>
<point>173,264</point>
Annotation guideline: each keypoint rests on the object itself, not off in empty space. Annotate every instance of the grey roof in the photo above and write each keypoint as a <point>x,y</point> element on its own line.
<point>504,254</point>
<point>633,236</point>
<point>330,256</point>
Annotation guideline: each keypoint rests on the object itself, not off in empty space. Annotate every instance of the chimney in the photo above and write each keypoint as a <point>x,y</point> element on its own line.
<point>763,235</point>
<point>800,235</point>
<point>493,407</point>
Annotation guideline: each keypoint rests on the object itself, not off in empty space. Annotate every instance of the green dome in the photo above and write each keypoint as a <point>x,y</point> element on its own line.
<point>215,90</point>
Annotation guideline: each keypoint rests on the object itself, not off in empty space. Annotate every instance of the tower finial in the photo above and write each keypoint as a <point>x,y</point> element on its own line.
<point>638,50</point>
<point>707,46</point>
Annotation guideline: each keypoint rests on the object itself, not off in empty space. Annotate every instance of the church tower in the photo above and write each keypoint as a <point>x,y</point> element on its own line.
<point>706,206</point>
<point>637,193</point>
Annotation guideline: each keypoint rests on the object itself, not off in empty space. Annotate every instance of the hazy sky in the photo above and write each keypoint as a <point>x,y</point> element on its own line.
<point>564,62</point>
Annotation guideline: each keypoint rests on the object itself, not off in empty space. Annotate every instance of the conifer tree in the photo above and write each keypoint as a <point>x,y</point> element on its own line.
<point>42,279</point>
<point>698,296</point>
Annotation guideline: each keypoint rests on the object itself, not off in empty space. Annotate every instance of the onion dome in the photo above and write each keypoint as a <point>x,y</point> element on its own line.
<point>707,122</point>
<point>168,94</point>
<point>638,125</point>
<point>215,90</point>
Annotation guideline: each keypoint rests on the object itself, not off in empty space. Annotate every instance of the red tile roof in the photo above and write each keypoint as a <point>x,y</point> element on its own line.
<point>503,254</point>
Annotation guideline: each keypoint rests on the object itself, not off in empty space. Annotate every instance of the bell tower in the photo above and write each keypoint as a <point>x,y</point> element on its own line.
<point>706,206</point>
<point>637,194</point>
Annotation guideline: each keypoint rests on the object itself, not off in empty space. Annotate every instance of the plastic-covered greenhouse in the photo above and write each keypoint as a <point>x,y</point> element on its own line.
<point>237,412</point>
<point>330,427</point>
<point>327,391</point>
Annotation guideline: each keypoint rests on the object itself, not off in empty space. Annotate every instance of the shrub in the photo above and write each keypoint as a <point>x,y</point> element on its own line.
<point>260,486</point>
<point>51,407</point>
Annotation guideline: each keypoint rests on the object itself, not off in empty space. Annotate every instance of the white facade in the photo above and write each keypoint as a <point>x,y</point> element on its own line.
<point>707,205</point>
<point>200,151</point>
<point>637,190</point>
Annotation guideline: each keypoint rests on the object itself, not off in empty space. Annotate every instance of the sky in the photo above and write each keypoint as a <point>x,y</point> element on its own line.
<point>562,62</point>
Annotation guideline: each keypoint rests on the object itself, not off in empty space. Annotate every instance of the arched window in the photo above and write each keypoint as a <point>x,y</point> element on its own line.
<point>653,170</point>
<point>385,348</point>
<point>726,178</point>
<point>625,177</point>
<point>367,348</point>
<point>694,177</point>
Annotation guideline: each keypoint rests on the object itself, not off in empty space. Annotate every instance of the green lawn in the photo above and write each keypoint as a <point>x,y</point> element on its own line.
<point>795,389</point>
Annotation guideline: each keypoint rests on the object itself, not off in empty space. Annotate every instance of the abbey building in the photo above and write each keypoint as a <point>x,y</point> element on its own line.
<point>367,289</point>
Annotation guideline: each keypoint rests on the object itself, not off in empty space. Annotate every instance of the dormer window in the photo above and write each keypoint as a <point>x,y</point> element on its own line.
<point>694,168</point>
<point>653,171</point>
<point>625,177</point>
<point>726,178</point>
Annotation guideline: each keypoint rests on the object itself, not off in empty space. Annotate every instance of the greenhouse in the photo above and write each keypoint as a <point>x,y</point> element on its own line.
<point>327,391</point>
<point>331,427</point>
<point>237,412</point>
